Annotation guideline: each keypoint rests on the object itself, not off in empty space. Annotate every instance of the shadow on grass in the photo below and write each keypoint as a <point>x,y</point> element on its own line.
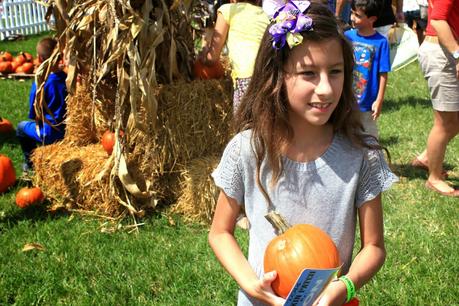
<point>411,173</point>
<point>394,105</point>
<point>8,138</point>
<point>35,213</point>
<point>389,141</point>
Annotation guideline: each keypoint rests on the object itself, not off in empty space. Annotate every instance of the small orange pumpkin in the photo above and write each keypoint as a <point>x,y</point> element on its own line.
<point>205,72</point>
<point>28,56</point>
<point>5,126</point>
<point>29,196</point>
<point>108,141</point>
<point>7,173</point>
<point>14,66</point>
<point>300,247</point>
<point>27,67</point>
<point>6,67</point>
<point>20,59</point>
<point>6,57</point>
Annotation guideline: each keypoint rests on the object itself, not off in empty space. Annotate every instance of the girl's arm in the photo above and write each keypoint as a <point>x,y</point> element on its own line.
<point>228,252</point>
<point>211,54</point>
<point>372,254</point>
<point>370,257</point>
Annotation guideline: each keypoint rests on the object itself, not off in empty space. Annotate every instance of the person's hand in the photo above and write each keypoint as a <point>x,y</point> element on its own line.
<point>376,109</point>
<point>264,289</point>
<point>333,295</point>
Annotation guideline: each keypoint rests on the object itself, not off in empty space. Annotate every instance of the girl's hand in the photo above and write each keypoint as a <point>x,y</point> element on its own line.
<point>334,294</point>
<point>265,290</point>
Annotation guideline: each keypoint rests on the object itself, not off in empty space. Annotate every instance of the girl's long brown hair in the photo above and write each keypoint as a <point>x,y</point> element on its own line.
<point>264,107</point>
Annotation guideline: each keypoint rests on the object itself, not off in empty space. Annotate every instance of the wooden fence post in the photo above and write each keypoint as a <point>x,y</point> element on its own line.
<point>22,17</point>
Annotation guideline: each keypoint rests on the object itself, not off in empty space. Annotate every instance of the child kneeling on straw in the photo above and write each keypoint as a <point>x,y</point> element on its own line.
<point>51,128</point>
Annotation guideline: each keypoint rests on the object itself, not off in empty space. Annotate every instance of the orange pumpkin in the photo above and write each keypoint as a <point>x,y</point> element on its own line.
<point>108,141</point>
<point>5,126</point>
<point>205,72</point>
<point>6,57</point>
<point>20,59</point>
<point>6,67</point>
<point>29,196</point>
<point>14,66</point>
<point>300,247</point>
<point>27,67</point>
<point>28,56</point>
<point>7,173</point>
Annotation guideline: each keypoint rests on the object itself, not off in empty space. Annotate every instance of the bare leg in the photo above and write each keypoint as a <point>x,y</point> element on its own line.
<point>423,157</point>
<point>445,128</point>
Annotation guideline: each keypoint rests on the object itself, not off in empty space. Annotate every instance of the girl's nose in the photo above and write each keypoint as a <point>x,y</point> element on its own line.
<point>324,87</point>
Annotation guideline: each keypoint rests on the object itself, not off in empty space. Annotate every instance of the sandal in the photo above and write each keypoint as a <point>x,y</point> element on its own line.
<point>453,193</point>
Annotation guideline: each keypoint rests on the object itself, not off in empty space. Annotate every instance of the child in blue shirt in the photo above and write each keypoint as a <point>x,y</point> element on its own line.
<point>29,133</point>
<point>371,52</point>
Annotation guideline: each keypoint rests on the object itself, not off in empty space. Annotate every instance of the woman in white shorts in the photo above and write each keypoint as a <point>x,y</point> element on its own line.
<point>439,59</point>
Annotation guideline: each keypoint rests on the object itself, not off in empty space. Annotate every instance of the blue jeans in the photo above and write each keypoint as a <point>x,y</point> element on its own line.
<point>28,138</point>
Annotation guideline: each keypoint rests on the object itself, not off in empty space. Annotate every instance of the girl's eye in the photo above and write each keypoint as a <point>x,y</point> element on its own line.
<point>336,71</point>
<point>308,73</point>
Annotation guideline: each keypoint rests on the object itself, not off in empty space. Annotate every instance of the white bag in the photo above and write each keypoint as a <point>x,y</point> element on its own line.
<point>404,46</point>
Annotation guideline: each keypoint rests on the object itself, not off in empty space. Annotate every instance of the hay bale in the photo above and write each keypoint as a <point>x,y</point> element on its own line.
<point>199,194</point>
<point>194,120</point>
<point>63,172</point>
<point>86,120</point>
<point>79,178</point>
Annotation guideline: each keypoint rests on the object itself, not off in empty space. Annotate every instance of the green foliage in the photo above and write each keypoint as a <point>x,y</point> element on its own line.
<point>170,263</point>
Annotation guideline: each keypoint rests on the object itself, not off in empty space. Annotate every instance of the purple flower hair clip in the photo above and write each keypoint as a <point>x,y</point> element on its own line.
<point>290,21</point>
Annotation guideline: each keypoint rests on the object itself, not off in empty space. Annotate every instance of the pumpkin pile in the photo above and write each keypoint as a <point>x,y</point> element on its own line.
<point>22,63</point>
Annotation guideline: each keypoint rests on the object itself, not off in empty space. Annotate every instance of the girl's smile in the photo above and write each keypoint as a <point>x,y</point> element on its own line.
<point>321,107</point>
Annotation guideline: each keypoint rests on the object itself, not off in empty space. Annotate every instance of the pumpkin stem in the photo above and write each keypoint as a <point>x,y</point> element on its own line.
<point>277,221</point>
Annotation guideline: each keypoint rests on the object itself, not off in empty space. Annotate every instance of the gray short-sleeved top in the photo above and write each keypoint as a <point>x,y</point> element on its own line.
<point>325,192</point>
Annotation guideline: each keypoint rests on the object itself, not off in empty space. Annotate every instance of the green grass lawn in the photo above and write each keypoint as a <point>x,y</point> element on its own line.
<point>167,262</point>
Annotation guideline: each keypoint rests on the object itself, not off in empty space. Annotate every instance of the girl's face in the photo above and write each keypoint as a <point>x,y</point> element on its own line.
<point>314,81</point>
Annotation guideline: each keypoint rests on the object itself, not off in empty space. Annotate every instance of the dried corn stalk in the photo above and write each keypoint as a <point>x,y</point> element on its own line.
<point>123,50</point>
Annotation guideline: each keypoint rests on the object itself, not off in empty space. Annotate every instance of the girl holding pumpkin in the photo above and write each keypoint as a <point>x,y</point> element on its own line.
<point>300,151</point>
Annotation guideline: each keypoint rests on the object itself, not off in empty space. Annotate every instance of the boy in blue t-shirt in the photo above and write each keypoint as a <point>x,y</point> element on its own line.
<point>29,133</point>
<point>371,51</point>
